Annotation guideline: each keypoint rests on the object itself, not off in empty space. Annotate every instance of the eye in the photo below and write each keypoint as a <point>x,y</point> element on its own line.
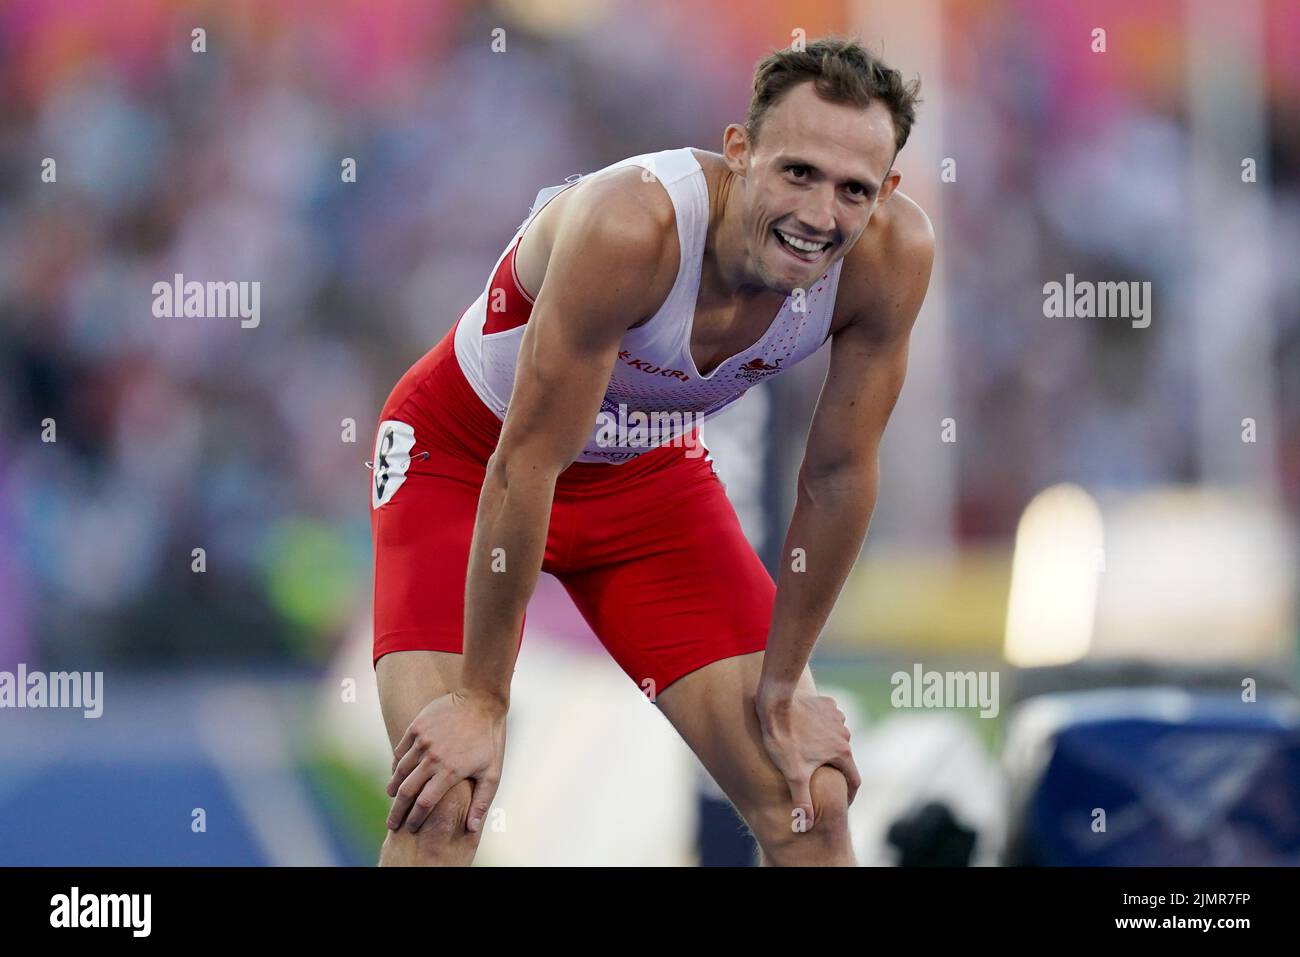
<point>797,169</point>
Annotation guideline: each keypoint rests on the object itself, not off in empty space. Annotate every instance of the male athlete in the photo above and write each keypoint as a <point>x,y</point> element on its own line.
<point>663,285</point>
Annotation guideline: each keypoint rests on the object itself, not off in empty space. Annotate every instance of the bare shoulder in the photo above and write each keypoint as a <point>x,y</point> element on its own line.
<point>617,229</point>
<point>627,202</point>
<point>886,273</point>
<point>909,234</point>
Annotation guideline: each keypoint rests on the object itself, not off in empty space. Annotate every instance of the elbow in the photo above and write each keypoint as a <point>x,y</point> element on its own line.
<point>847,483</point>
<point>516,469</point>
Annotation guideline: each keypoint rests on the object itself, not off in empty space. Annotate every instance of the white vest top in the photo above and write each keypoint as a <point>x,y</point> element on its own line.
<point>655,394</point>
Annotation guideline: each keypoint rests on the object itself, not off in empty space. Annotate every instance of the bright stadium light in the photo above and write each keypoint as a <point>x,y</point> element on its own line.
<point>1196,576</point>
<point>1059,557</point>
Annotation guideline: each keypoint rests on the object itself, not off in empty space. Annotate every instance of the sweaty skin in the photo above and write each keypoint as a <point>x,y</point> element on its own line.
<point>602,257</point>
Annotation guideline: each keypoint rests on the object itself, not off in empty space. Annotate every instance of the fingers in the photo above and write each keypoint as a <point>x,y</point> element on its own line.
<point>845,762</point>
<point>404,767</point>
<point>433,792</point>
<point>485,789</point>
<point>403,746</point>
<point>849,768</point>
<point>410,789</point>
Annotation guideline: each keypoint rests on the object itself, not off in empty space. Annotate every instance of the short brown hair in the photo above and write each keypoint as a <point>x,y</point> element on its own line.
<point>842,71</point>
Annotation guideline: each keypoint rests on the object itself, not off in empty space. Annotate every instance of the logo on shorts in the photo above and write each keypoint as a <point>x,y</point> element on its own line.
<point>393,446</point>
<point>755,369</point>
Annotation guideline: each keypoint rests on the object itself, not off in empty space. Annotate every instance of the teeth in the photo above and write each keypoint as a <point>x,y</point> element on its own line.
<point>802,244</point>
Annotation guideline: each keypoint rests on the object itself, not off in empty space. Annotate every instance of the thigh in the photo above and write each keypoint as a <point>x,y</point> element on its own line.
<point>422,507</point>
<point>424,503</point>
<point>409,680</point>
<point>713,710</point>
<point>669,584</point>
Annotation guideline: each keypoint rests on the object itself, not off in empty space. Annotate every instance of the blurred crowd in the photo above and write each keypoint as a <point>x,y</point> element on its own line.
<point>1074,161</point>
<point>174,435</point>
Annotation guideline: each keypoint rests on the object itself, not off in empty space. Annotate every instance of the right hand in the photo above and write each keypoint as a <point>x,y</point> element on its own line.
<point>802,731</point>
<point>455,737</point>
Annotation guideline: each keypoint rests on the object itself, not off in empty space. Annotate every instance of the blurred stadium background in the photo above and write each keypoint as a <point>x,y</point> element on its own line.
<point>1077,506</point>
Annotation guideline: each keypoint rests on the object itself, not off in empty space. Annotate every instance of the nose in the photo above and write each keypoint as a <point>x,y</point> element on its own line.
<point>818,216</point>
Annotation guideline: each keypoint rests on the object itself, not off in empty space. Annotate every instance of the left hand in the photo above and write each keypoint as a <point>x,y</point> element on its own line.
<point>803,731</point>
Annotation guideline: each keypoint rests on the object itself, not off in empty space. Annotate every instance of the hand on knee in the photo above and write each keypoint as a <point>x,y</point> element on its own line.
<point>785,835</point>
<point>441,840</point>
<point>830,795</point>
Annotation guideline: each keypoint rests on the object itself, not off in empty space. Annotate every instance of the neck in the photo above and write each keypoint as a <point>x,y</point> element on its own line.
<point>727,271</point>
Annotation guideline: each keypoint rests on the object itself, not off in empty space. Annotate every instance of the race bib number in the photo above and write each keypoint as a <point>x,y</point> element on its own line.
<point>392,458</point>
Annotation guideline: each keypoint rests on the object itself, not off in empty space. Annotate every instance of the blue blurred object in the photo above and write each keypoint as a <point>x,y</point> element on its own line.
<point>1155,777</point>
<point>126,789</point>
<point>125,815</point>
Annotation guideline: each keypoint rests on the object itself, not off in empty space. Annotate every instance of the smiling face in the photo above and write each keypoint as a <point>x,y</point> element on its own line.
<point>811,182</point>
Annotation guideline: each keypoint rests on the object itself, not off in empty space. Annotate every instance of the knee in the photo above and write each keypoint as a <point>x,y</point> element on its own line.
<point>830,797</point>
<point>787,837</point>
<point>442,839</point>
<point>446,821</point>
<point>830,792</point>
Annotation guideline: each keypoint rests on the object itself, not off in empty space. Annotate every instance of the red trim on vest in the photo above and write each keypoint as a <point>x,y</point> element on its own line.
<point>514,274</point>
<point>516,306</point>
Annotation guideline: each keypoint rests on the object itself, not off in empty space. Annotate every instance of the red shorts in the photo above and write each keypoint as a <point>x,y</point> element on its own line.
<point>650,550</point>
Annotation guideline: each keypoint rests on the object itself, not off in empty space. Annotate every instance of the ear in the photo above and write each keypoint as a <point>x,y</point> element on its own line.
<point>735,148</point>
<point>889,185</point>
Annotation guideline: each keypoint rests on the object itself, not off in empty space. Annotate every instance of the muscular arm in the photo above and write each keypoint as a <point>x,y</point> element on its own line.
<point>607,261</point>
<point>606,266</point>
<point>838,479</point>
